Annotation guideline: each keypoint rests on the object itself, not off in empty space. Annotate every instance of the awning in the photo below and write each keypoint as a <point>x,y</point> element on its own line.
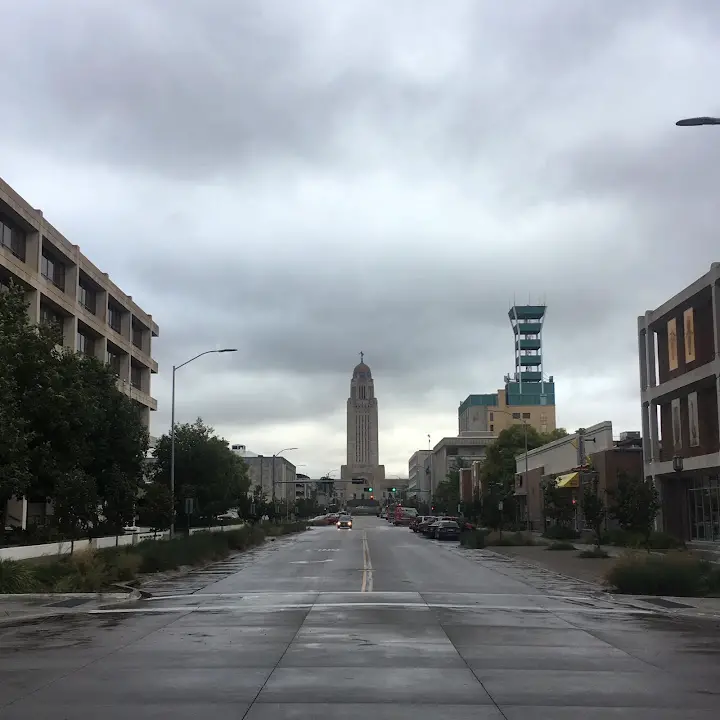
<point>571,480</point>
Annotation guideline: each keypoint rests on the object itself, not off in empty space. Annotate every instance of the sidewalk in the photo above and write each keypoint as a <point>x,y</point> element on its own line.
<point>592,571</point>
<point>33,607</point>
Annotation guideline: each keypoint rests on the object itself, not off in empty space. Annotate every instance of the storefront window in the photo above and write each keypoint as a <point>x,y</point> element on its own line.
<point>704,508</point>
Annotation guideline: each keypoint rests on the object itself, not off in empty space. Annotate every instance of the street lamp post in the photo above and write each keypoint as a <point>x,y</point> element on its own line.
<point>687,122</point>
<point>172,432</point>
<point>272,470</point>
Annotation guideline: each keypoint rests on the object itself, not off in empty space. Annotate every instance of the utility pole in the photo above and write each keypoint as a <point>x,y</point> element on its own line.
<point>527,489</point>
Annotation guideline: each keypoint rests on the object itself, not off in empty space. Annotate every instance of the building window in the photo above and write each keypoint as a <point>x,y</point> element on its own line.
<point>115,362</point>
<point>50,317</point>
<point>492,428</point>
<point>85,344</point>
<point>12,238</point>
<point>516,416</point>
<point>52,270</point>
<point>137,337</point>
<point>115,318</point>
<point>491,416</point>
<point>86,295</point>
<point>526,416</point>
<point>136,377</point>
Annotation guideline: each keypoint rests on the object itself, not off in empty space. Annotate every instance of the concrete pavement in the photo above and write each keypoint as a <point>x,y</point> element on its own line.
<point>370,622</point>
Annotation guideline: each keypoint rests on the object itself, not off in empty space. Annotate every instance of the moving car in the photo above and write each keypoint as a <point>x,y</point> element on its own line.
<point>404,515</point>
<point>344,522</point>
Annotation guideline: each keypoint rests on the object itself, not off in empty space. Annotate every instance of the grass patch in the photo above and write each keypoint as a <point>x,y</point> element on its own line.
<point>676,574</point>
<point>560,532</point>
<point>595,552</point>
<point>16,577</point>
<point>560,545</point>
<point>516,539</point>
<point>96,571</point>
<point>657,540</point>
<point>474,539</point>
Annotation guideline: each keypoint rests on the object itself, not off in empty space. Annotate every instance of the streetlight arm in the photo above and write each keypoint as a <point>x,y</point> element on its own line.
<point>206,352</point>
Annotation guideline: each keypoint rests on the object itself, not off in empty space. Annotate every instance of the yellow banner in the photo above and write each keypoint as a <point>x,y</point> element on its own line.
<point>672,344</point>
<point>689,328</point>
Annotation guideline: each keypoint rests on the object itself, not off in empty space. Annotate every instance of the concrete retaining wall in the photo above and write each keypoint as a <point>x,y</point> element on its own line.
<point>26,552</point>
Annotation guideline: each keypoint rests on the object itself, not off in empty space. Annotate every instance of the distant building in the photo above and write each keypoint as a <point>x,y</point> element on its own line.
<point>468,448</point>
<point>419,475</point>
<point>528,395</point>
<point>679,348</point>
<point>269,472</point>
<point>64,288</point>
<point>567,461</point>
<point>363,469</point>
<point>92,314</point>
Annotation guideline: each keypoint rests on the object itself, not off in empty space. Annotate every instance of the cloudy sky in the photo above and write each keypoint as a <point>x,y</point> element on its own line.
<point>306,179</point>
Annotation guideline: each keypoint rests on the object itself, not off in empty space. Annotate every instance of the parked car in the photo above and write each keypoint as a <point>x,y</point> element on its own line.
<point>415,522</point>
<point>446,530</point>
<point>424,526</point>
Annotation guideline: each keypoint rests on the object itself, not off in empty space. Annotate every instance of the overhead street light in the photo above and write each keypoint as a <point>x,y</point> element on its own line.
<point>172,432</point>
<point>279,452</point>
<point>686,122</point>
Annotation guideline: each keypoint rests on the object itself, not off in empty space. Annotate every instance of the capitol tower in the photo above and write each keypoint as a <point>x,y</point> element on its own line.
<point>362,431</point>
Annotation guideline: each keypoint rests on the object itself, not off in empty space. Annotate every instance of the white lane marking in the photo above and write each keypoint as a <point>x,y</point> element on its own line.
<point>331,606</point>
<point>309,562</point>
<point>367,580</point>
<point>323,550</point>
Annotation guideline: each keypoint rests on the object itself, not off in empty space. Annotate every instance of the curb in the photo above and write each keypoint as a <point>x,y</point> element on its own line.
<point>630,601</point>
<point>7,619</point>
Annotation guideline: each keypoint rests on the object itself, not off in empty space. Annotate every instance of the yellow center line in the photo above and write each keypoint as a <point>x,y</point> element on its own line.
<point>367,579</point>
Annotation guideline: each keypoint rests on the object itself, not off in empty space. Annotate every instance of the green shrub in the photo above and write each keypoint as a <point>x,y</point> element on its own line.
<point>515,539</point>
<point>16,577</point>
<point>95,571</point>
<point>595,552</point>
<point>560,532</point>
<point>560,545</point>
<point>473,539</point>
<point>657,540</point>
<point>676,574</point>
<point>81,572</point>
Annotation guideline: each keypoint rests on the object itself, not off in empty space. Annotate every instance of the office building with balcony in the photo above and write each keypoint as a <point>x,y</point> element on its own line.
<point>679,352</point>
<point>63,287</point>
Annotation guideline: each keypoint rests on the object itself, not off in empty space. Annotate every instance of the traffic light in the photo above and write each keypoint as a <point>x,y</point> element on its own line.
<point>392,490</point>
<point>370,489</point>
<point>372,497</point>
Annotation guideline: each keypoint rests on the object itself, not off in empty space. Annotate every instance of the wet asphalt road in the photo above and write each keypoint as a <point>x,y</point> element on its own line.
<point>372,623</point>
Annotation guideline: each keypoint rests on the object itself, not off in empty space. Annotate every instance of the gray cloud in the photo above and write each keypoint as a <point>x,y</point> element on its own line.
<point>307,180</point>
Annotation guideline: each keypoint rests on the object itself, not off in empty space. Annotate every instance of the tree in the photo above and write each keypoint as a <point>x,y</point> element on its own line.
<point>593,508</point>
<point>500,466</point>
<point>154,506</point>
<point>636,505</point>
<point>14,475</point>
<point>205,469</point>
<point>70,419</point>
<point>557,504</point>
<point>76,503</point>
<point>447,493</point>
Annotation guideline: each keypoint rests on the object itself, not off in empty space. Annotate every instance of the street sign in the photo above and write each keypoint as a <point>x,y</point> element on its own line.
<point>189,506</point>
<point>500,505</point>
<point>356,481</point>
